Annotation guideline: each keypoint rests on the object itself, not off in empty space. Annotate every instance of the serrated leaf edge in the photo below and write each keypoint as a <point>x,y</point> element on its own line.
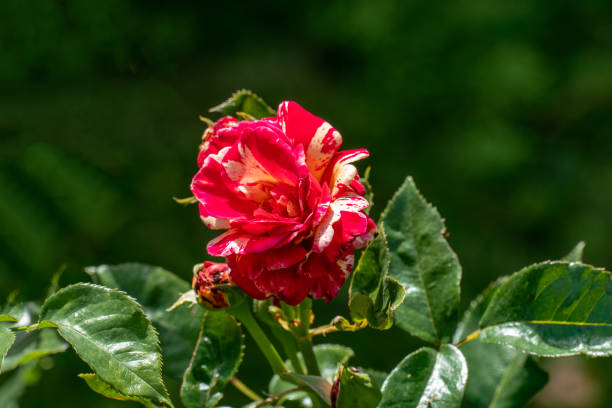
<point>141,312</point>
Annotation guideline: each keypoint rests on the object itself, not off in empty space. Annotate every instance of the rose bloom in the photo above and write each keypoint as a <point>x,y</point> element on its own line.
<point>291,202</point>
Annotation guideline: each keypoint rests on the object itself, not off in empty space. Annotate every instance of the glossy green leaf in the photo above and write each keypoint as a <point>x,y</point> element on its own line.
<point>318,385</point>
<point>499,376</point>
<point>7,318</point>
<point>357,390</point>
<point>470,321</point>
<point>215,361</point>
<point>427,378</point>
<point>552,309</point>
<point>373,294</point>
<point>156,290</point>
<point>328,357</point>
<point>111,333</point>
<point>247,102</point>
<point>7,337</point>
<point>575,255</point>
<point>96,384</point>
<point>423,262</point>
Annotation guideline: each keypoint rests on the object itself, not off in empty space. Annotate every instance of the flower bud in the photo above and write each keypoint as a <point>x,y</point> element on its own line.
<point>209,281</point>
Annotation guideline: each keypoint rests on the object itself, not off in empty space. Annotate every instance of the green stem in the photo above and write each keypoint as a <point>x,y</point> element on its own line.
<point>243,388</point>
<point>278,396</point>
<point>243,313</point>
<point>295,360</point>
<point>312,366</point>
<point>470,337</point>
<point>289,344</point>
<point>304,339</point>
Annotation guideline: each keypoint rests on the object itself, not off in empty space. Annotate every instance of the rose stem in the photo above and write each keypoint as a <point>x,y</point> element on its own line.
<point>304,339</point>
<point>243,313</point>
<point>243,388</point>
<point>290,349</point>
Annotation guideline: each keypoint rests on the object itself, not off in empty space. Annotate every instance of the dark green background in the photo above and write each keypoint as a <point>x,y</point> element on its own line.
<point>502,112</point>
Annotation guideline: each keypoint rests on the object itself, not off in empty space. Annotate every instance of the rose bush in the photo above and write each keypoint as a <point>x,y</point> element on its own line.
<point>291,202</point>
<point>293,207</point>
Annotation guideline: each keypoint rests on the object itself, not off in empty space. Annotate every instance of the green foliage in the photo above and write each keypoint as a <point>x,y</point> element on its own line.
<point>110,332</point>
<point>501,377</point>
<point>357,390</point>
<point>427,378</point>
<point>264,311</point>
<point>503,118</point>
<point>498,376</point>
<point>315,384</point>
<point>156,290</point>
<point>552,309</point>
<point>96,384</point>
<point>215,361</point>
<point>244,101</point>
<point>373,294</point>
<point>328,356</point>
<point>422,261</point>
<point>30,346</point>
<point>6,341</point>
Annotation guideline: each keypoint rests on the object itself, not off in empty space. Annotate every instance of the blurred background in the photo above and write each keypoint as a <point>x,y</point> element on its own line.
<point>502,112</point>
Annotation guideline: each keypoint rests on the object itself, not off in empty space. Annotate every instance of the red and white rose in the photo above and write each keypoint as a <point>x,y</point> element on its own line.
<point>292,203</point>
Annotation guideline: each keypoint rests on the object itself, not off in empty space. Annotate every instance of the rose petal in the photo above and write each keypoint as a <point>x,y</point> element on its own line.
<point>319,138</point>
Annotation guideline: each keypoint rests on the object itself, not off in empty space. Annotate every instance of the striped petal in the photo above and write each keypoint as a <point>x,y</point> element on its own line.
<point>319,138</point>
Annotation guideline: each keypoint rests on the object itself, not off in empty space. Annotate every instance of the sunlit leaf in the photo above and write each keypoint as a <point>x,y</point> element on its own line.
<point>157,290</point>
<point>552,309</point>
<point>427,378</point>
<point>110,332</point>
<point>423,262</point>
<point>96,384</point>
<point>499,376</point>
